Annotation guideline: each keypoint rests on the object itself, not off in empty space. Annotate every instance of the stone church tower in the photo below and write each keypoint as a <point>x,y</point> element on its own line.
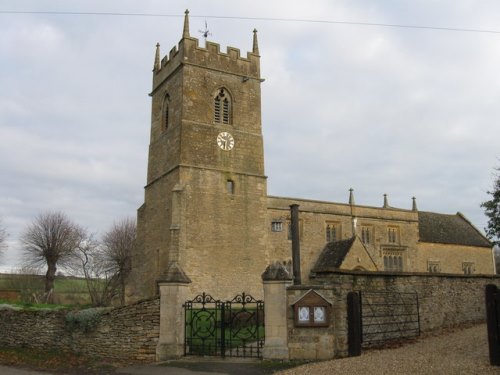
<point>205,198</point>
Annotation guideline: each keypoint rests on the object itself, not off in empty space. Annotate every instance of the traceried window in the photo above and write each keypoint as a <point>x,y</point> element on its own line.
<point>468,267</point>
<point>276,226</point>
<point>393,235</point>
<point>366,234</point>
<point>332,232</point>
<point>222,107</point>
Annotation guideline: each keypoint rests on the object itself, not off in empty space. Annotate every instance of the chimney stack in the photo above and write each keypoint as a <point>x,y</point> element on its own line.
<point>294,213</point>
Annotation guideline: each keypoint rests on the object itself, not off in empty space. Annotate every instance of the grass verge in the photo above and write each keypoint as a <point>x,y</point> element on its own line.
<point>53,361</point>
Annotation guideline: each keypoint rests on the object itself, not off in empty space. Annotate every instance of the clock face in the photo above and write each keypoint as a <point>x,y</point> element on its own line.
<point>225,141</point>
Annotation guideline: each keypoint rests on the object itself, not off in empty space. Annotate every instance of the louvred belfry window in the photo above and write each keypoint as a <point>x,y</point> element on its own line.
<point>217,109</point>
<point>225,111</point>
<point>222,108</point>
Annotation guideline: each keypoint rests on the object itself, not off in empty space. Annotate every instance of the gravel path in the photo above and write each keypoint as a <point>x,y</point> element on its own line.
<point>460,352</point>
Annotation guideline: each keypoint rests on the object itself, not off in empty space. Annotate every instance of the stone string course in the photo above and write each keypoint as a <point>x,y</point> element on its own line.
<point>128,333</point>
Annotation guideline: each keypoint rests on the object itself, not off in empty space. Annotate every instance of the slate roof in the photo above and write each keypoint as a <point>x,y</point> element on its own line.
<point>449,229</point>
<point>333,254</point>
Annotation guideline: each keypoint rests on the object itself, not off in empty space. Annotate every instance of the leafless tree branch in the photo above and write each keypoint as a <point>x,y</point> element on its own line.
<point>51,239</point>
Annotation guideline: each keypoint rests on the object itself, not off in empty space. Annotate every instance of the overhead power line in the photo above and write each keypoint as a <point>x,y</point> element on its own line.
<point>268,19</point>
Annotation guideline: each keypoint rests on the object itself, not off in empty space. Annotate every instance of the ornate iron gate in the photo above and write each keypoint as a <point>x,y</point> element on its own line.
<point>388,316</point>
<point>233,328</point>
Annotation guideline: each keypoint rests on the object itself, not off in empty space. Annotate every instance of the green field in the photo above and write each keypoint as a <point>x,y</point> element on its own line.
<point>29,289</point>
<point>62,284</point>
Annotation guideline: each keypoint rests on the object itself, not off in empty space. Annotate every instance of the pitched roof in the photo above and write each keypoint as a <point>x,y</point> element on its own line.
<point>333,254</point>
<point>449,229</point>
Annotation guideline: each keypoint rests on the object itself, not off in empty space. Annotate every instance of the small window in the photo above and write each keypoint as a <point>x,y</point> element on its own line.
<point>366,234</point>
<point>392,235</point>
<point>222,107</point>
<point>332,232</point>
<point>230,186</point>
<point>276,226</point>
<point>433,266</point>
<point>468,268</point>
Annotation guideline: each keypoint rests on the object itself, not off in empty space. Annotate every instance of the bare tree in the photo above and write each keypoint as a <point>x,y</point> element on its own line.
<point>118,244</point>
<point>51,239</point>
<point>102,283</point>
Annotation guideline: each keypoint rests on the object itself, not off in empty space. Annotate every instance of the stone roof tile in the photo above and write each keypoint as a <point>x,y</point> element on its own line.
<point>333,254</point>
<point>449,229</point>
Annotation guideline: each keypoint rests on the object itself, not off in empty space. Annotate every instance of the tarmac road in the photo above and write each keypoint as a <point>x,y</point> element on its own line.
<point>191,366</point>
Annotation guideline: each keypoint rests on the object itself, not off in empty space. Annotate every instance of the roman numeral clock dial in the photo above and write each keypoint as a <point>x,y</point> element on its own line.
<point>225,141</point>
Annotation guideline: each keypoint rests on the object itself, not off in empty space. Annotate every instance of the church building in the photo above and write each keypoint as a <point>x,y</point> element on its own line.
<point>207,216</point>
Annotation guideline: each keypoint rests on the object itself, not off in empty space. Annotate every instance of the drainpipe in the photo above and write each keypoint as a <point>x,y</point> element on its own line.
<point>294,213</point>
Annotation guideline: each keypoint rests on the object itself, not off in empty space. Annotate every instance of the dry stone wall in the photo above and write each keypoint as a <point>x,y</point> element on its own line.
<point>444,301</point>
<point>128,333</point>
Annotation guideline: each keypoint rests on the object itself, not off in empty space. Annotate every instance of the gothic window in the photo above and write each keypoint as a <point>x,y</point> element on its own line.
<point>332,232</point>
<point>166,114</point>
<point>468,268</point>
<point>276,226</point>
<point>366,234</point>
<point>222,107</point>
<point>392,235</point>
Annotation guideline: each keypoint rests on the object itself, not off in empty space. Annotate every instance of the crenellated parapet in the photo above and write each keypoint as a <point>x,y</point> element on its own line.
<point>189,52</point>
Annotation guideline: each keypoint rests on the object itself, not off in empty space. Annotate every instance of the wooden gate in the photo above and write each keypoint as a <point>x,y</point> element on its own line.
<point>493,321</point>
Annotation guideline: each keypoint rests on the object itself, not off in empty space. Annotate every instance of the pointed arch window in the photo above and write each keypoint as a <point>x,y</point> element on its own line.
<point>222,107</point>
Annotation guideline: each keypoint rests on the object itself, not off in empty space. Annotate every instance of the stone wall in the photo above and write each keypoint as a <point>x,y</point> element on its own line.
<point>128,333</point>
<point>444,301</point>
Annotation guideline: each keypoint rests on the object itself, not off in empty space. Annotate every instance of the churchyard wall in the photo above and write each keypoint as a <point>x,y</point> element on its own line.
<point>445,301</point>
<point>128,333</point>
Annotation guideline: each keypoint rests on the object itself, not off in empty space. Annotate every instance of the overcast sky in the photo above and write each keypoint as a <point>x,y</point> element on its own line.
<point>403,111</point>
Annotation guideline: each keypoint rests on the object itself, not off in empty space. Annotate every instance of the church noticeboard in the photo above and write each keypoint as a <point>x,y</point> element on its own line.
<point>312,310</point>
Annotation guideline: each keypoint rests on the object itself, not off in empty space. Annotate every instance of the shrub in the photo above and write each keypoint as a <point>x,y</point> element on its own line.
<point>84,320</point>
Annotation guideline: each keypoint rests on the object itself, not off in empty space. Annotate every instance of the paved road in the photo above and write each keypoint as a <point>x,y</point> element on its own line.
<point>192,366</point>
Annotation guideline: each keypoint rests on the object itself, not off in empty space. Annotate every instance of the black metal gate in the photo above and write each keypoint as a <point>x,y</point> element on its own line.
<point>492,294</point>
<point>233,328</point>
<point>388,316</point>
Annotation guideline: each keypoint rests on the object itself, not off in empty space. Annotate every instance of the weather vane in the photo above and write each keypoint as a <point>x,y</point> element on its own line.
<point>205,32</point>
